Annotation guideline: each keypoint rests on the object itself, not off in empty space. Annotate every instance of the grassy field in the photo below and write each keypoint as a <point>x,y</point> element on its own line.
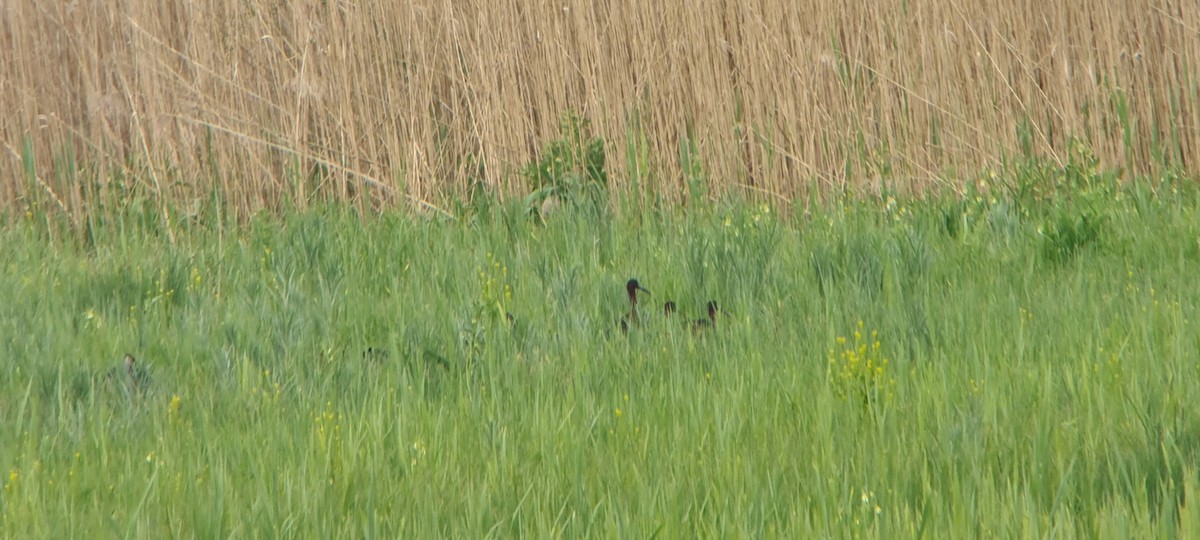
<point>1012,363</point>
<point>369,260</point>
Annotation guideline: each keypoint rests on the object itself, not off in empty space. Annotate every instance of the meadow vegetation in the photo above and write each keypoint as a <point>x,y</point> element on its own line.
<point>1000,365</point>
<point>370,261</point>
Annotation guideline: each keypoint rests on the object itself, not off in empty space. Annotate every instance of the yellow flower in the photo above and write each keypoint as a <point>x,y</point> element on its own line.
<point>173,408</point>
<point>861,369</point>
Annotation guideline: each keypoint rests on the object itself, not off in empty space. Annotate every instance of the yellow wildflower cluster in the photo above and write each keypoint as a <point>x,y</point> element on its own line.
<point>173,408</point>
<point>749,223</point>
<point>13,477</point>
<point>894,210</point>
<point>328,431</point>
<point>92,319</point>
<point>870,502</point>
<point>329,425</point>
<point>859,370</point>
<point>495,289</point>
<point>763,210</point>
<point>195,280</point>
<point>164,294</point>
<point>417,452</point>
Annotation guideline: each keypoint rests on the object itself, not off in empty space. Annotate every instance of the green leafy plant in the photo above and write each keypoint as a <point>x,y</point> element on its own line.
<point>571,170</point>
<point>1067,232</point>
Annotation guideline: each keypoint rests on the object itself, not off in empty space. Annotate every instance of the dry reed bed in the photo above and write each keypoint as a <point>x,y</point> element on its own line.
<point>402,102</point>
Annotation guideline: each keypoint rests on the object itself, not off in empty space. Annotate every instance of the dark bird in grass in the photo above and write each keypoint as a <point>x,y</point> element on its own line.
<point>700,325</point>
<point>426,355</point>
<point>631,319</point>
<point>376,354</point>
<point>669,308</point>
<point>131,377</point>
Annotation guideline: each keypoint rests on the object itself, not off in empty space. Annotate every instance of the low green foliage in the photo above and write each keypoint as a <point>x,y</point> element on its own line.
<point>570,171</point>
<point>335,374</point>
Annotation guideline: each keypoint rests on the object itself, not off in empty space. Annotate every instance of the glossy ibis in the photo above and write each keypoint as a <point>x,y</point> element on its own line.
<point>131,377</point>
<point>631,319</point>
<point>699,325</point>
<point>377,354</point>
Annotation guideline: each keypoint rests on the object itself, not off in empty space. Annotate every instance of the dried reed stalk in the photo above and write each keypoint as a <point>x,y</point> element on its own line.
<point>389,102</point>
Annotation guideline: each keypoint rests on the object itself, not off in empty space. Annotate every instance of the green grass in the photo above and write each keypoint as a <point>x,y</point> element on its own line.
<point>1043,359</point>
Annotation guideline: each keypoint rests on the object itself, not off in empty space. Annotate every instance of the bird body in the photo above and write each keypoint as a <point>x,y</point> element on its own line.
<point>669,308</point>
<point>700,325</point>
<point>131,378</point>
<point>631,318</point>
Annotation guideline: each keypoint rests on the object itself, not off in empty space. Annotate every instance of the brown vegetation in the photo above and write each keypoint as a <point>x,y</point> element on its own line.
<point>383,102</point>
